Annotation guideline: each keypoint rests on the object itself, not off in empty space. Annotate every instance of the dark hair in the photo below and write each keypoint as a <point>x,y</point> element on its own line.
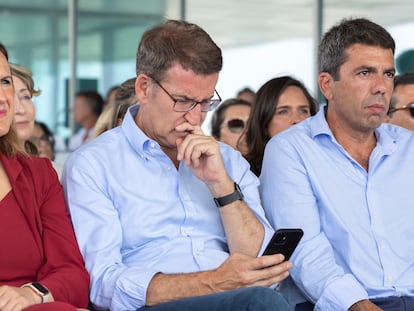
<point>9,142</point>
<point>332,49</point>
<point>263,110</point>
<point>49,135</point>
<point>177,41</point>
<point>404,79</point>
<point>124,98</point>
<point>218,116</point>
<point>93,100</point>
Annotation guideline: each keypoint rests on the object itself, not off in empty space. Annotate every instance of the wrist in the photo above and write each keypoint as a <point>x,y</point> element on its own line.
<point>235,195</point>
<point>39,292</point>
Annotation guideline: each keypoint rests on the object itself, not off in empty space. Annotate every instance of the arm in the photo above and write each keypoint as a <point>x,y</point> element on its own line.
<point>201,153</point>
<point>290,202</point>
<point>236,272</point>
<point>64,273</point>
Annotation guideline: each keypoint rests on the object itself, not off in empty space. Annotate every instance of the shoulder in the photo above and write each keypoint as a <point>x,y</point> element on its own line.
<point>390,133</point>
<point>39,170</point>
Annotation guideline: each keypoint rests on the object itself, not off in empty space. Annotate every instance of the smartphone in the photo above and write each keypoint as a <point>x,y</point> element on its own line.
<point>284,241</point>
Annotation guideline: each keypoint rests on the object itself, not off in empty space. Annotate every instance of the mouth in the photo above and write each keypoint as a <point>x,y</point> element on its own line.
<point>376,108</point>
<point>22,124</point>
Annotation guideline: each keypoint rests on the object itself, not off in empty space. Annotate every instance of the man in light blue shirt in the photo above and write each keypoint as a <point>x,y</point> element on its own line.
<point>345,179</point>
<point>166,217</point>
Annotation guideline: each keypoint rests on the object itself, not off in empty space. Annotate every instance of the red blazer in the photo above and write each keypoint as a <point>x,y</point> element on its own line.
<point>39,194</point>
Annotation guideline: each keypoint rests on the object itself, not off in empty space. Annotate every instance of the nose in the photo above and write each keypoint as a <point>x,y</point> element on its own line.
<point>296,118</point>
<point>382,85</point>
<point>194,116</point>
<point>18,107</point>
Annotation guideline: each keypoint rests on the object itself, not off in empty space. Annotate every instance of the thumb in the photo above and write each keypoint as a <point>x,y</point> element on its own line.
<point>179,142</point>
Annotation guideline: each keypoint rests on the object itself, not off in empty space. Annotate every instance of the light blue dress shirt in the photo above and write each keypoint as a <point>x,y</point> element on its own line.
<point>135,214</point>
<point>358,225</point>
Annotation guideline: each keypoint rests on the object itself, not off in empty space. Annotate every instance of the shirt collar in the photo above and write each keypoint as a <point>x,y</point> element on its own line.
<point>135,136</point>
<point>386,133</point>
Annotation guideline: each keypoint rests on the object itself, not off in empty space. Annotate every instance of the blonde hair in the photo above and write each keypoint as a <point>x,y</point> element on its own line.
<point>25,74</point>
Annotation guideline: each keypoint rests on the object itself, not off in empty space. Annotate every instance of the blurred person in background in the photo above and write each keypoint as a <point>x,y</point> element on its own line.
<point>24,107</point>
<point>88,106</point>
<point>401,110</point>
<point>280,103</point>
<point>229,121</point>
<point>246,94</point>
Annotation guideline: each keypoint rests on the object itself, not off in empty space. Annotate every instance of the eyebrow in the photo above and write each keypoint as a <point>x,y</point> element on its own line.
<point>184,97</point>
<point>7,77</point>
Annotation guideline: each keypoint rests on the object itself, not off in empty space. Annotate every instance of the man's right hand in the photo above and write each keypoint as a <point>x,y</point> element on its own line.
<point>364,305</point>
<point>243,271</point>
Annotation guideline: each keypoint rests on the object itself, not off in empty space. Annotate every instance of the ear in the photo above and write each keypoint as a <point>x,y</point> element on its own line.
<point>142,88</point>
<point>326,84</point>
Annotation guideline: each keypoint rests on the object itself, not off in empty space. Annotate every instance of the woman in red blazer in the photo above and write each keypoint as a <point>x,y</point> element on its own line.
<point>41,267</point>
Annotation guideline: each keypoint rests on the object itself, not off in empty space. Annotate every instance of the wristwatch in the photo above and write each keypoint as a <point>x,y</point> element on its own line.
<point>230,198</point>
<point>39,289</point>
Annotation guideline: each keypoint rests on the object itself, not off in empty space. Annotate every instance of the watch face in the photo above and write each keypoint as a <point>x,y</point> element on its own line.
<point>40,288</point>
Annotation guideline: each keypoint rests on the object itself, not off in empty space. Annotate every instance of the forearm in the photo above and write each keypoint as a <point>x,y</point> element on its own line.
<point>243,230</point>
<point>169,287</point>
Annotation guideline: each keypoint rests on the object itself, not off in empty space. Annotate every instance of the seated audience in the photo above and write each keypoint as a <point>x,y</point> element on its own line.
<point>41,267</point>
<point>228,122</point>
<point>344,177</point>
<point>88,106</point>
<point>401,110</point>
<point>166,217</point>
<point>23,106</point>
<point>280,103</point>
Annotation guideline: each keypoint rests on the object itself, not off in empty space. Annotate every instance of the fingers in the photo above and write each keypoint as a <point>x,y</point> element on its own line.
<point>261,271</point>
<point>187,127</point>
<point>194,147</point>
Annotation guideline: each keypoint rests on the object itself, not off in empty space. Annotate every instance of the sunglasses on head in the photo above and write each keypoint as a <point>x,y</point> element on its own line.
<point>235,125</point>
<point>409,107</point>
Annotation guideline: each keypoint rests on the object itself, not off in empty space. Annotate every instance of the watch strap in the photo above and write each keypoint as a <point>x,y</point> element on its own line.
<point>39,289</point>
<point>230,198</point>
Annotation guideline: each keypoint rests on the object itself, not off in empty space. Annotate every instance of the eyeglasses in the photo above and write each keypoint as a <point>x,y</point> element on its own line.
<point>409,107</point>
<point>185,105</point>
<point>235,125</point>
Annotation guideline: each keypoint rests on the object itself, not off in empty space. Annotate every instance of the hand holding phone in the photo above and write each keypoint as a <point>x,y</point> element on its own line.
<point>284,241</point>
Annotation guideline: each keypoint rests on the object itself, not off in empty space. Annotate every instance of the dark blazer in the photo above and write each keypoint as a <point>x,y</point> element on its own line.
<point>39,194</point>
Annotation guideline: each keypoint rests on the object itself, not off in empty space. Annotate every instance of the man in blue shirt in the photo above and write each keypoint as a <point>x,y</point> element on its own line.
<point>345,178</point>
<point>166,217</point>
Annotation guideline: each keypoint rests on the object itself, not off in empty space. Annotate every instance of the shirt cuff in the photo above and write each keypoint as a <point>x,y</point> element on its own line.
<point>130,293</point>
<point>341,294</point>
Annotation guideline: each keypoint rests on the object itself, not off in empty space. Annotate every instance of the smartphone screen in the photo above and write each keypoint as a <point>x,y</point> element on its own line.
<point>284,241</point>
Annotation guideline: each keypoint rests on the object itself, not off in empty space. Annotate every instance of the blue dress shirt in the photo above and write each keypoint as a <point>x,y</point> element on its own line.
<point>135,214</point>
<point>358,225</point>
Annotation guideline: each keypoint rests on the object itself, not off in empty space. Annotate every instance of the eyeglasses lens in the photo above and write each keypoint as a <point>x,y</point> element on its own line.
<point>235,125</point>
<point>412,109</point>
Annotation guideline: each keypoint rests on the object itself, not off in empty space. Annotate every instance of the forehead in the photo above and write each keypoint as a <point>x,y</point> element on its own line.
<point>4,66</point>
<point>368,55</point>
<point>19,82</point>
